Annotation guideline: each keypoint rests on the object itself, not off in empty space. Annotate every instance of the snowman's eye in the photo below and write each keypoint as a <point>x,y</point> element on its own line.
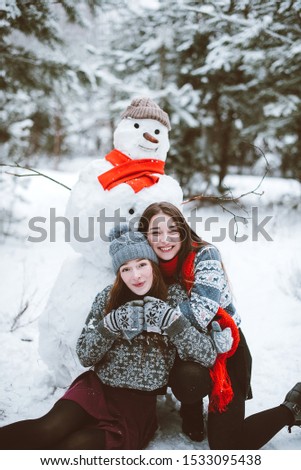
<point>157,131</point>
<point>136,125</point>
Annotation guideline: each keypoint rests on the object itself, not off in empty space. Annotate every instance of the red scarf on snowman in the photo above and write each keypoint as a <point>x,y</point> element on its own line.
<point>138,174</point>
<point>221,393</point>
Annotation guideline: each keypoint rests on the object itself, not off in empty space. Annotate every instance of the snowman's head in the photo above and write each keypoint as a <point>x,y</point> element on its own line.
<point>143,131</point>
<point>142,138</point>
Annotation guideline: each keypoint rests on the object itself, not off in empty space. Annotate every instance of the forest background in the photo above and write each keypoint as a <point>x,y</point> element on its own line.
<point>228,72</point>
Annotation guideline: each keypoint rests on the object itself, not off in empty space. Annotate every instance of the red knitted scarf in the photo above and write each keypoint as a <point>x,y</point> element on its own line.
<point>136,173</point>
<point>222,393</point>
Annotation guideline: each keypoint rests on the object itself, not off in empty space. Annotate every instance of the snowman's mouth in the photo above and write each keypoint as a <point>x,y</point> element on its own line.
<point>148,149</point>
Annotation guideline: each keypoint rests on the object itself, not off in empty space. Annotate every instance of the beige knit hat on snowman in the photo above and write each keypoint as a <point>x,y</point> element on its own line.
<point>145,108</point>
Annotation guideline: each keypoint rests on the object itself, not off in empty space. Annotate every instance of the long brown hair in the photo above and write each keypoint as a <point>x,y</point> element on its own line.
<point>190,240</point>
<point>120,293</point>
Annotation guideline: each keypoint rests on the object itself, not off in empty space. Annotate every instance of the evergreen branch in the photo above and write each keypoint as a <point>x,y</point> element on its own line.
<point>34,173</point>
<point>242,22</point>
<point>32,61</point>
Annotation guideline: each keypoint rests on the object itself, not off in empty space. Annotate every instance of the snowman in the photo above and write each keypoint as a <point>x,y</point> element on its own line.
<point>109,192</point>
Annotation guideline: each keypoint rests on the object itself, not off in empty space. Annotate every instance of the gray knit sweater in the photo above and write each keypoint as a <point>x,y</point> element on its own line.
<point>141,363</point>
<point>210,290</point>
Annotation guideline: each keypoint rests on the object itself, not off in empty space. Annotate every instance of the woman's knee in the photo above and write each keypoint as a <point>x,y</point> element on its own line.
<point>64,418</point>
<point>189,381</point>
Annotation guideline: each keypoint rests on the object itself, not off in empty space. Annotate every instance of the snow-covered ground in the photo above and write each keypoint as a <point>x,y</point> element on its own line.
<point>265,277</point>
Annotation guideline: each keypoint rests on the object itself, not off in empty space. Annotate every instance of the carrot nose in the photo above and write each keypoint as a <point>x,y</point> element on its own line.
<point>151,138</point>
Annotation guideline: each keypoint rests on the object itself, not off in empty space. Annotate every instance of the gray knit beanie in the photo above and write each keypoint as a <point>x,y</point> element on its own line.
<point>127,245</point>
<point>145,108</point>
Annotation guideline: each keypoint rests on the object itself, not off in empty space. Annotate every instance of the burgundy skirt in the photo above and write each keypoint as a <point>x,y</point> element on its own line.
<point>127,417</point>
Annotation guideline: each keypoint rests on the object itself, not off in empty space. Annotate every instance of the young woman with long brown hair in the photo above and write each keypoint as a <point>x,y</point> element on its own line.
<point>130,339</point>
<point>197,266</point>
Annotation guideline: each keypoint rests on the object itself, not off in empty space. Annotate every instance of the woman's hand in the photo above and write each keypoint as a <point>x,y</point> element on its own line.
<point>127,319</point>
<point>222,338</point>
<point>158,315</point>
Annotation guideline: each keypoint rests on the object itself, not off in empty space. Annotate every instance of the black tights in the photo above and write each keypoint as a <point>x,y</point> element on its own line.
<point>65,426</point>
<point>231,430</point>
<point>190,382</point>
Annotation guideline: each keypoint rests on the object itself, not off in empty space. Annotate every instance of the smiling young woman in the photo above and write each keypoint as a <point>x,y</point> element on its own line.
<point>196,265</point>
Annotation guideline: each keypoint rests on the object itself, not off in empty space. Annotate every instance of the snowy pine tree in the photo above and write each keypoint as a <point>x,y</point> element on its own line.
<point>35,71</point>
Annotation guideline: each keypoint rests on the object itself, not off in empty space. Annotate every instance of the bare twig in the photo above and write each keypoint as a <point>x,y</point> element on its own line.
<point>229,198</point>
<point>224,199</point>
<point>34,173</point>
<point>25,301</point>
<point>18,316</point>
<point>219,200</point>
<point>20,176</point>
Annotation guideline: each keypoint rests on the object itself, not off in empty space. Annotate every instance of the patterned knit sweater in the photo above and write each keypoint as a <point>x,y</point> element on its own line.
<point>141,363</point>
<point>210,290</point>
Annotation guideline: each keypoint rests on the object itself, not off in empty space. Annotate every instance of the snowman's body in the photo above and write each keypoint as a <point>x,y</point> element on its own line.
<point>92,212</point>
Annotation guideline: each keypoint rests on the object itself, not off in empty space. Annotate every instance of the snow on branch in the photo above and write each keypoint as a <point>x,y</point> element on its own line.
<point>242,22</point>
